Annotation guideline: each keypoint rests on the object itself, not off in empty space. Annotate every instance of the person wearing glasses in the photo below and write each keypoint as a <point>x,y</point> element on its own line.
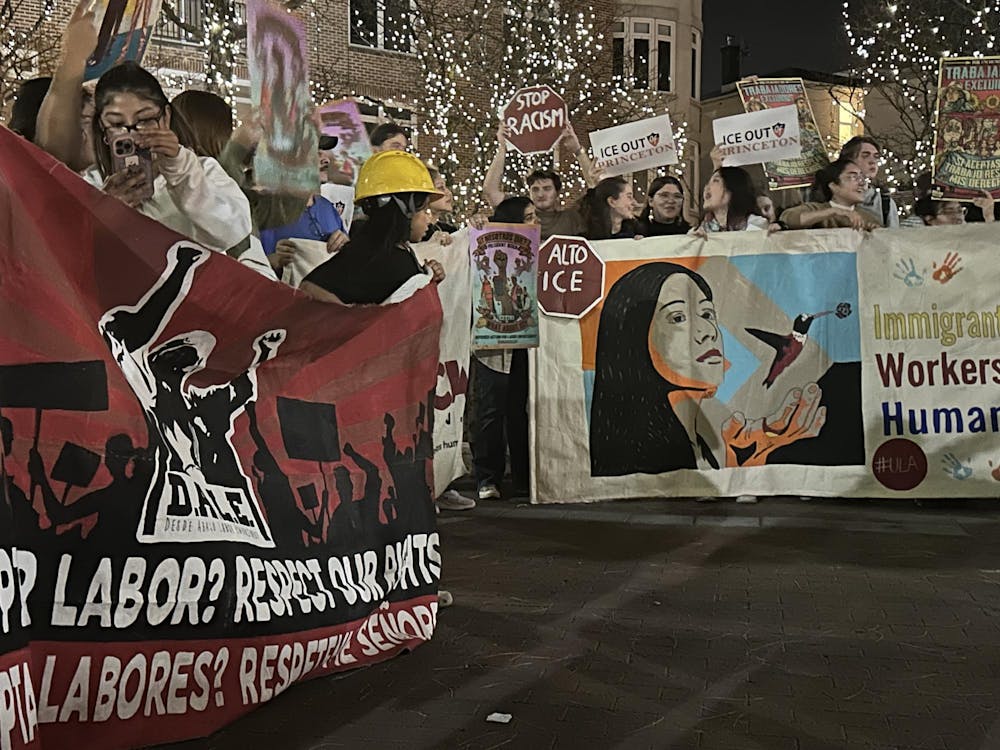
<point>191,195</point>
<point>866,153</point>
<point>664,212</point>
<point>842,185</point>
<point>937,213</point>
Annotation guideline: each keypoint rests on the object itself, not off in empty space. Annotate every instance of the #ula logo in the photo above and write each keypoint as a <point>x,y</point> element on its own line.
<point>778,129</point>
<point>653,138</point>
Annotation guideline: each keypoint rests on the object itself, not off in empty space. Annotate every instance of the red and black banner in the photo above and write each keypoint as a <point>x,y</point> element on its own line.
<point>212,486</point>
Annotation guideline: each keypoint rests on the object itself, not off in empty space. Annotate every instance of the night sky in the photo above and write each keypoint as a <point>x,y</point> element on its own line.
<point>779,34</point>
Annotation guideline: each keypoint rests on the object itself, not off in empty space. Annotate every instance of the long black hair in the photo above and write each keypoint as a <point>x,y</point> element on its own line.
<point>633,428</point>
<point>742,196</point>
<point>130,77</point>
<point>597,213</point>
<point>511,210</point>
<point>654,187</point>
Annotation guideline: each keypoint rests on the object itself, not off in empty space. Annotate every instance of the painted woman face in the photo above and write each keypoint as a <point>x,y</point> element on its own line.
<point>685,343</point>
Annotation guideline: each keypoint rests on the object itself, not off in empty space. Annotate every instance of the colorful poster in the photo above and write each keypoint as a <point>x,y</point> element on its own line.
<point>342,120</point>
<point>126,26</point>
<point>758,137</point>
<point>827,363</point>
<point>504,286</point>
<point>212,487</point>
<point>277,56</point>
<point>967,144</point>
<point>770,93</point>
<point>634,146</point>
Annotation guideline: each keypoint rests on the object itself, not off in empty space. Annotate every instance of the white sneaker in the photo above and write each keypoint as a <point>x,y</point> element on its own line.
<point>489,492</point>
<point>451,500</point>
<point>746,499</point>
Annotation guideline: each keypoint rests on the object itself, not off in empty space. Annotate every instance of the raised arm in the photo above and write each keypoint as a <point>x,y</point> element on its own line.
<point>493,185</point>
<point>59,129</point>
<point>571,141</point>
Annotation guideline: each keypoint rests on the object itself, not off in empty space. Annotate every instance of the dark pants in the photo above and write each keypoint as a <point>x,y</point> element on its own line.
<point>501,422</point>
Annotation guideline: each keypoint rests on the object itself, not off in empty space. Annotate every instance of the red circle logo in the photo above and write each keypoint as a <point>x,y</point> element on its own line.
<point>899,464</point>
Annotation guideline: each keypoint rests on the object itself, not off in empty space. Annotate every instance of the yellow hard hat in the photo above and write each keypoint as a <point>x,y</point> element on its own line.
<point>390,172</point>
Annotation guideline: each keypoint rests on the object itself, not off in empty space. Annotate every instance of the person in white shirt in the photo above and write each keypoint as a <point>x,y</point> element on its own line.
<point>729,203</point>
<point>866,153</point>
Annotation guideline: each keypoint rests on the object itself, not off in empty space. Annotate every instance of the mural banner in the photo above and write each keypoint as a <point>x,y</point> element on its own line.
<point>820,363</point>
<point>206,496</point>
<point>967,146</point>
<point>770,93</point>
<point>126,26</point>
<point>505,286</point>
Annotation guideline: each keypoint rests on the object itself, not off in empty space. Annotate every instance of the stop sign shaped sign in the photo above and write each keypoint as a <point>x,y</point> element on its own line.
<point>570,277</point>
<point>536,117</point>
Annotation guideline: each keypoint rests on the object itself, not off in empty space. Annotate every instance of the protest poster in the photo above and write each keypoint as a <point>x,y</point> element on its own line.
<point>342,120</point>
<point>570,277</point>
<point>504,276</point>
<point>822,362</point>
<point>758,137</point>
<point>634,146</point>
<point>279,89</point>
<point>770,93</point>
<point>967,135</point>
<point>126,26</point>
<point>260,509</point>
<point>536,116</point>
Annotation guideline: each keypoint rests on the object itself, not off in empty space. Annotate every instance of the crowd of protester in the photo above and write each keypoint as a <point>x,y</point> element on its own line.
<point>202,185</point>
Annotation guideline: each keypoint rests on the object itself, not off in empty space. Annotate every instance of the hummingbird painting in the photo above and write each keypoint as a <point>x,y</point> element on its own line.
<point>787,347</point>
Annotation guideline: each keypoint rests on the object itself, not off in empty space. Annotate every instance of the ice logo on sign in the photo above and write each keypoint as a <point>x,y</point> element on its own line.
<point>653,138</point>
<point>199,491</point>
<point>778,129</point>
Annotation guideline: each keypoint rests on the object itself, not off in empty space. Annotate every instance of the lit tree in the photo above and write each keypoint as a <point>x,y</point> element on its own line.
<point>26,44</point>
<point>898,45</point>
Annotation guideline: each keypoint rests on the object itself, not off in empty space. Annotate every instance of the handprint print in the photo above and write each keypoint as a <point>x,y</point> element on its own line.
<point>955,468</point>
<point>948,269</point>
<point>907,273</point>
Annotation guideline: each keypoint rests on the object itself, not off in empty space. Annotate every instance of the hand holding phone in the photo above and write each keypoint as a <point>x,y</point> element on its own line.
<point>127,156</point>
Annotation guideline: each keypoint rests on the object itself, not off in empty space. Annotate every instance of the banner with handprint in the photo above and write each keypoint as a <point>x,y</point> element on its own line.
<point>931,328</point>
<point>741,365</point>
<point>967,132</point>
<point>760,94</point>
<point>212,487</point>
<point>504,281</point>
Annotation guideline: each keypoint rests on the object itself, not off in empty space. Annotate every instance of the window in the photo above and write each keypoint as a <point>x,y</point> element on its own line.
<point>695,64</point>
<point>848,105</point>
<point>382,24</point>
<point>642,53</point>
<point>374,113</point>
<point>190,12</point>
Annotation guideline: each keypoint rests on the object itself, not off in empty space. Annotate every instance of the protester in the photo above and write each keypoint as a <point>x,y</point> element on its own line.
<point>544,186</point>
<point>865,152</point>
<point>394,189</point>
<point>609,211</point>
<point>194,197</point>
<point>500,380</point>
<point>210,119</point>
<point>664,212</point>
<point>765,208</point>
<point>729,202</point>
<point>389,136</point>
<point>937,213</point>
<point>842,186</point>
<point>439,208</point>
<point>319,222</point>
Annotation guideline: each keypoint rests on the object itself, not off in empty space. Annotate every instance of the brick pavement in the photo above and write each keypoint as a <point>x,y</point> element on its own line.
<point>834,625</point>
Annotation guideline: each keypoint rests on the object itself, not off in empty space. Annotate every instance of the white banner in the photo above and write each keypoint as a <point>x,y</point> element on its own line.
<point>634,146</point>
<point>824,362</point>
<point>758,137</point>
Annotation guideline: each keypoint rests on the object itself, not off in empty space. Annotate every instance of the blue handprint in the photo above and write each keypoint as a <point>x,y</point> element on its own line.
<point>955,468</point>
<point>909,276</point>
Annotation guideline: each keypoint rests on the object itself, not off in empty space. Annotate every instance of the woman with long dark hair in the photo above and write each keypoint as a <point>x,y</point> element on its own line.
<point>609,210</point>
<point>729,203</point>
<point>664,213</point>
<point>659,356</point>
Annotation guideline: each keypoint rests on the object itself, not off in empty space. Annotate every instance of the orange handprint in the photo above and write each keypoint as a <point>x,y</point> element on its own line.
<point>800,416</point>
<point>948,269</point>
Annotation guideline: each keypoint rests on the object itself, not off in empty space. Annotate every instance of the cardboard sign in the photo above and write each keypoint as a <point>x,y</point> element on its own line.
<point>286,158</point>
<point>504,286</point>
<point>634,146</point>
<point>771,93</point>
<point>536,117</point>
<point>758,137</point>
<point>570,277</point>
<point>126,26</point>
<point>967,143</point>
<point>342,119</point>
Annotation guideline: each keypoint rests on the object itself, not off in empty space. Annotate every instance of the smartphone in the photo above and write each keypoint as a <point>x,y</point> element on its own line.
<point>125,154</point>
